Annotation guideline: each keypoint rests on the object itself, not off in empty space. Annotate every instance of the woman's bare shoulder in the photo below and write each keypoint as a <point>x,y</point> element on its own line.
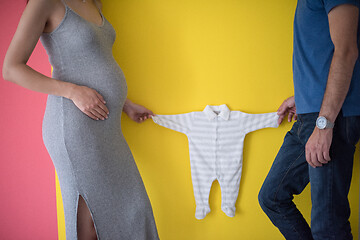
<point>47,7</point>
<point>44,3</point>
<point>51,12</point>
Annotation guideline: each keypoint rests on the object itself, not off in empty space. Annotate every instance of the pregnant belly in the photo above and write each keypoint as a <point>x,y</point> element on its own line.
<point>63,117</point>
<point>108,80</point>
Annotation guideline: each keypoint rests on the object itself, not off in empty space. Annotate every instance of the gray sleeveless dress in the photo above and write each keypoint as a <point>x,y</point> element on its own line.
<point>91,157</point>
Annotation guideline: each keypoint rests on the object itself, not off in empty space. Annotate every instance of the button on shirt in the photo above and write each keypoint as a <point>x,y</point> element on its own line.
<point>216,137</point>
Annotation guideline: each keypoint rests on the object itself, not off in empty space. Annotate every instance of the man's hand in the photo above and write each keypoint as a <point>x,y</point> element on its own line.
<point>318,146</point>
<point>287,107</point>
<point>343,24</point>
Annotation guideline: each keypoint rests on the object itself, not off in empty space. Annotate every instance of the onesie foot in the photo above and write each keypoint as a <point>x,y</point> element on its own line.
<point>201,212</point>
<point>229,211</point>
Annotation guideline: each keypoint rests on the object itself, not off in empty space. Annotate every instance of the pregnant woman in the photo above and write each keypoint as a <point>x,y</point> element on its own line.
<point>103,195</point>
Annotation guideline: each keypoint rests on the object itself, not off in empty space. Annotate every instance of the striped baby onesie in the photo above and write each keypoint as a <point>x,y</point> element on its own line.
<point>216,137</point>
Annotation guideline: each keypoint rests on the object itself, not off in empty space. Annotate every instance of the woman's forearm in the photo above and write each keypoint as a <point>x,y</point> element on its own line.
<point>25,76</point>
<point>127,106</point>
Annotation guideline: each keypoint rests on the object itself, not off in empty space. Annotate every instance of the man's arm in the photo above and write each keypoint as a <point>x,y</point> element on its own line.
<point>343,23</point>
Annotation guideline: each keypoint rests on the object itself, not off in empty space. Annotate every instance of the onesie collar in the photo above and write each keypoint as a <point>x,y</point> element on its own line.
<point>224,112</point>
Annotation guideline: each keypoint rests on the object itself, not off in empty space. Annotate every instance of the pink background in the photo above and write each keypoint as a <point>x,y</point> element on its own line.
<point>27,177</point>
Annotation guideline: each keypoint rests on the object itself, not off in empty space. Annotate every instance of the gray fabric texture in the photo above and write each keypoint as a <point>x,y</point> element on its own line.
<point>92,158</point>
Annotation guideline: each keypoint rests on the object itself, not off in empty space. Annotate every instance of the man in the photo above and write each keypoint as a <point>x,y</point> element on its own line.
<point>320,146</point>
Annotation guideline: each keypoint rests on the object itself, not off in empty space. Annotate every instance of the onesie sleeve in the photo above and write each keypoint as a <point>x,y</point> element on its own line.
<point>253,122</point>
<point>177,122</point>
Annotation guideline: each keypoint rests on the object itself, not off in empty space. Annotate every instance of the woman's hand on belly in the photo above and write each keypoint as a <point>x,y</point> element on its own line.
<point>89,102</point>
<point>137,112</point>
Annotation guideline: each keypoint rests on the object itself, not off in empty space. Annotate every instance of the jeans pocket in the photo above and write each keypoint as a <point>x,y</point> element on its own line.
<point>308,121</point>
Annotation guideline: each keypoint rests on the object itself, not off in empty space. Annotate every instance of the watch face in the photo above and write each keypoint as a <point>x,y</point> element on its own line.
<point>321,122</point>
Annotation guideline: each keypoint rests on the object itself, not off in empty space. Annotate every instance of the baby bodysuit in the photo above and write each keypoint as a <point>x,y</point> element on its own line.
<point>216,138</point>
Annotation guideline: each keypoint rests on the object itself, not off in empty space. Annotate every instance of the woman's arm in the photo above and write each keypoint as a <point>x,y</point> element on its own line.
<point>31,25</point>
<point>15,68</point>
<point>137,112</point>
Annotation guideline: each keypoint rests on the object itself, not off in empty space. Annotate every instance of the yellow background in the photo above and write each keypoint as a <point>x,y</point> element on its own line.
<point>179,56</point>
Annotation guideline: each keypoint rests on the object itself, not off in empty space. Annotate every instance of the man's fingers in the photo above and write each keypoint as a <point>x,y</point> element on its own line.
<point>290,115</point>
<point>282,110</point>
<point>320,158</point>
<point>308,158</point>
<point>315,160</point>
<point>281,117</point>
<point>326,155</point>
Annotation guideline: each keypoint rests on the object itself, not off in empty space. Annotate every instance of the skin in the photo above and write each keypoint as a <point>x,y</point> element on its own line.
<point>287,108</point>
<point>44,16</point>
<point>85,225</point>
<point>343,23</point>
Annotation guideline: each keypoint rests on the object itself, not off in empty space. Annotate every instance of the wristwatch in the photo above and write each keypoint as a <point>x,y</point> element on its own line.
<point>323,123</point>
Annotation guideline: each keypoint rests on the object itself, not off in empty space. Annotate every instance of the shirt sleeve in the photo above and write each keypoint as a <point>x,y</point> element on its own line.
<point>330,4</point>
<point>177,122</point>
<point>253,122</point>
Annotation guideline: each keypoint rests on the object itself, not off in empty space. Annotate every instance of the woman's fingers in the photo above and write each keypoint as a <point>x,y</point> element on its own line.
<point>103,108</point>
<point>100,101</point>
<point>100,97</point>
<point>98,115</point>
<point>150,113</point>
<point>91,115</point>
<point>101,112</point>
<point>146,116</point>
<point>98,110</point>
<point>143,117</point>
<point>92,104</point>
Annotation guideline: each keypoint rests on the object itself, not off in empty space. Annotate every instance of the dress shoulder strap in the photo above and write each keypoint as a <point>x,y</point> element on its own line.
<point>64,2</point>
<point>97,4</point>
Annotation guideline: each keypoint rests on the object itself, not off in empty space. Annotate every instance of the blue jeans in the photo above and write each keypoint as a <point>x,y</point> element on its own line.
<point>290,173</point>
